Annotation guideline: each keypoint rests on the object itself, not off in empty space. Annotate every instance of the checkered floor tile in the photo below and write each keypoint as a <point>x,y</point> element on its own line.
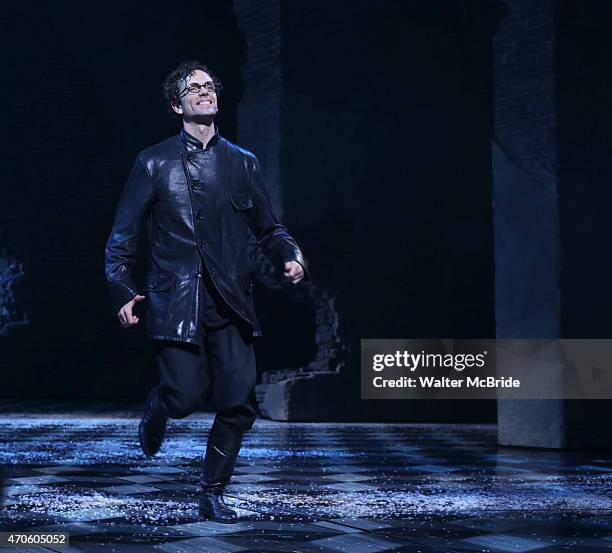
<point>301,487</point>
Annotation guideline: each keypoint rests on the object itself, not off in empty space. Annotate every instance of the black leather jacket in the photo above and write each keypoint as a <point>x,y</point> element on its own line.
<point>185,230</point>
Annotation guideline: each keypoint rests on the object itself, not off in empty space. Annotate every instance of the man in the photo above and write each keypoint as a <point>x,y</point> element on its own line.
<point>199,194</point>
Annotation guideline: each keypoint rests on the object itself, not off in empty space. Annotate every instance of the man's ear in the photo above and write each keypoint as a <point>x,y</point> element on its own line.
<point>177,108</point>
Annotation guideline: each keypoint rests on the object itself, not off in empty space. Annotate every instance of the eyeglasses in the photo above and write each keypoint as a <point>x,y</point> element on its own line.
<point>194,88</point>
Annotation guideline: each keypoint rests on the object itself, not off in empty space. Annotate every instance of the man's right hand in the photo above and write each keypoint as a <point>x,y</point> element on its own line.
<point>125,313</point>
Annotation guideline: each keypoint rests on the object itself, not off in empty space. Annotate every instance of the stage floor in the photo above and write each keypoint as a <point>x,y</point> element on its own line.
<point>298,487</point>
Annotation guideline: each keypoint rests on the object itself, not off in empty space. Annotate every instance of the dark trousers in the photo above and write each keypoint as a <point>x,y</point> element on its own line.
<point>221,369</point>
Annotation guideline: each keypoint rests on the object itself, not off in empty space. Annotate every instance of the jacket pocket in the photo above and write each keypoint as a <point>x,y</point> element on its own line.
<point>159,292</point>
<point>241,202</point>
<point>159,282</point>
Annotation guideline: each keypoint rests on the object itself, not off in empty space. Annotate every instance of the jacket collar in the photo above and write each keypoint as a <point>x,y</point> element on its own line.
<point>191,143</point>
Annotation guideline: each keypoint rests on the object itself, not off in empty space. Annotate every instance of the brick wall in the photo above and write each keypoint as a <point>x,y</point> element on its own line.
<point>379,151</point>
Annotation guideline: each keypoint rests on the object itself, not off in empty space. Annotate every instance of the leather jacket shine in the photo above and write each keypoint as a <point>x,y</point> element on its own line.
<point>185,231</point>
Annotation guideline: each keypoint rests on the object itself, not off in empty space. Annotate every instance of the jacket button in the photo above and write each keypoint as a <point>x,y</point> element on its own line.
<point>199,215</point>
<point>195,187</point>
<point>198,275</point>
<point>201,245</point>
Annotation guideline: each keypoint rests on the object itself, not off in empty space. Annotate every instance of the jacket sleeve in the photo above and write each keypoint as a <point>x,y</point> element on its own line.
<point>273,237</point>
<point>120,252</point>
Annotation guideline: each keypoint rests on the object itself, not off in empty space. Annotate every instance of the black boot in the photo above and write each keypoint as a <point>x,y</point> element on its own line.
<point>222,450</point>
<point>153,424</point>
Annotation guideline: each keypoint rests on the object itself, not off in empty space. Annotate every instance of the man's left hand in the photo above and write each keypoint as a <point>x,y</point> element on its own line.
<point>294,271</point>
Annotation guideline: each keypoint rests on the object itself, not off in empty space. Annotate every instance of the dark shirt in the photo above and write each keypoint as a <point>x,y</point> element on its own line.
<point>216,312</point>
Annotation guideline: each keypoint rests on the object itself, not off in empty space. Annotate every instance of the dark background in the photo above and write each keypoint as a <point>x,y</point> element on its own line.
<point>383,114</point>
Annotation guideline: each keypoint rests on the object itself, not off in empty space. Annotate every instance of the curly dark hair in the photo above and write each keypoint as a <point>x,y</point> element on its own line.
<point>173,85</point>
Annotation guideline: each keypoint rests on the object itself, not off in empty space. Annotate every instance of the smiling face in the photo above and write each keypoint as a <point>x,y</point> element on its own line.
<point>199,105</point>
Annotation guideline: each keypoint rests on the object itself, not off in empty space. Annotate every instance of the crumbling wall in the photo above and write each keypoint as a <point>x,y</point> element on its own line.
<point>12,270</point>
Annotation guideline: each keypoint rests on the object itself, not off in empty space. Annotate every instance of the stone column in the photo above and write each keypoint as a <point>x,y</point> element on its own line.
<point>259,109</point>
<point>535,211</point>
